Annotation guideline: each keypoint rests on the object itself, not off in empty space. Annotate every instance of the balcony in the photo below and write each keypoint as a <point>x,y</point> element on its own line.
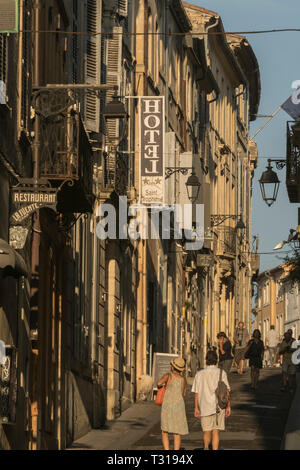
<point>224,243</point>
<point>255,263</point>
<point>66,161</point>
<point>292,161</point>
<point>115,174</point>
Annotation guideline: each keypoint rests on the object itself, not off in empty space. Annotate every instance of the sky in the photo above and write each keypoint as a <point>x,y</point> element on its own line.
<point>278,56</point>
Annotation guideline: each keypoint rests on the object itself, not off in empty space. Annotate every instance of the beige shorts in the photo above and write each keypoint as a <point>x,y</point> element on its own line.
<point>208,423</point>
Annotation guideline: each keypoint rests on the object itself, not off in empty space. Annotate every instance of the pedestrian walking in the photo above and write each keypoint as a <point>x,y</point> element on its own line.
<point>173,415</point>
<point>205,401</point>
<point>255,353</point>
<point>288,368</point>
<point>241,338</point>
<point>272,340</point>
<point>225,356</point>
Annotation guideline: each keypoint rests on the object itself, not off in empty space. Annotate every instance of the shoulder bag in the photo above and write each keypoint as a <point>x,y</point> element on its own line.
<point>161,393</point>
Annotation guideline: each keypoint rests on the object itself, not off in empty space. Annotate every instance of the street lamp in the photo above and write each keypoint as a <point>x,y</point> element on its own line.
<point>193,187</point>
<point>113,113</point>
<point>269,182</point>
<point>192,184</point>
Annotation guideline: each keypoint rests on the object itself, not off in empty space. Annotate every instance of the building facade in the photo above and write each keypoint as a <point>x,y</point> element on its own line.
<point>229,158</point>
<point>270,302</point>
<point>277,302</point>
<point>82,316</point>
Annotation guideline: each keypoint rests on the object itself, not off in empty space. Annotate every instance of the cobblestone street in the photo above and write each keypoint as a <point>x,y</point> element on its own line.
<point>257,421</point>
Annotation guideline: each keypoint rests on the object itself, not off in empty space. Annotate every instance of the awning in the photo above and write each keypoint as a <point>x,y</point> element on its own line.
<point>11,260</point>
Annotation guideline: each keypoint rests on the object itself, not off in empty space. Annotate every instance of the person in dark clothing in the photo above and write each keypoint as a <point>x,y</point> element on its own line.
<point>225,356</point>
<point>255,353</point>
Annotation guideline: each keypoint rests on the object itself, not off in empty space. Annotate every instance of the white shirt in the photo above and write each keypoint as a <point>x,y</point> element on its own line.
<point>272,338</point>
<point>205,384</point>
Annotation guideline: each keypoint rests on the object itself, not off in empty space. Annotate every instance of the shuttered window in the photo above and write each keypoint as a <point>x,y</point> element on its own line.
<point>3,65</point>
<point>122,7</point>
<point>93,64</point>
<point>113,72</point>
<point>75,45</point>
<point>26,63</point>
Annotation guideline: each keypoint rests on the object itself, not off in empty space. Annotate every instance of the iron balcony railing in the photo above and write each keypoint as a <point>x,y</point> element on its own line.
<point>225,241</point>
<point>66,157</point>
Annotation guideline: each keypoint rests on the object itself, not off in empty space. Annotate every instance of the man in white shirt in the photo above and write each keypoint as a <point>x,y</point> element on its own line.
<point>272,340</point>
<point>205,401</point>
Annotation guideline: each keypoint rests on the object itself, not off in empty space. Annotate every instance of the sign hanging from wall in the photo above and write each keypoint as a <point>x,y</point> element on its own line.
<point>28,200</point>
<point>9,16</point>
<point>152,132</point>
<point>161,366</point>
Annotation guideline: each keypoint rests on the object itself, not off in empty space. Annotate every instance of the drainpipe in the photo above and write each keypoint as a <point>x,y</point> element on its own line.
<point>36,81</point>
<point>35,261</point>
<point>167,65</point>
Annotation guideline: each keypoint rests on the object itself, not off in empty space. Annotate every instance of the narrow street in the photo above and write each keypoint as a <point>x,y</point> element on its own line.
<point>257,422</point>
<point>149,182</point>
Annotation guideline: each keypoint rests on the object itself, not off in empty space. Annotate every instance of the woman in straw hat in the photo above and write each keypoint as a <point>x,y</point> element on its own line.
<point>173,416</point>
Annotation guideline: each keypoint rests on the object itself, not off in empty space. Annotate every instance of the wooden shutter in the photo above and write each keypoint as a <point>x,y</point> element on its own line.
<point>93,64</point>
<point>26,63</point>
<point>3,58</point>
<point>122,7</point>
<point>114,72</point>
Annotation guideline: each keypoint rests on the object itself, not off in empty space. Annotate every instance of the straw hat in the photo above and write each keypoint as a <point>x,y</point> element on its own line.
<point>178,363</point>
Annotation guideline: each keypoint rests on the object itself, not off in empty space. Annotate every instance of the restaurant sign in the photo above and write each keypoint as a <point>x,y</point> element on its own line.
<point>28,200</point>
<point>152,129</point>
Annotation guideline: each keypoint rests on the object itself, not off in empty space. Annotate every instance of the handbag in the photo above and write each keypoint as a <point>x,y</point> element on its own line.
<point>161,393</point>
<point>247,353</point>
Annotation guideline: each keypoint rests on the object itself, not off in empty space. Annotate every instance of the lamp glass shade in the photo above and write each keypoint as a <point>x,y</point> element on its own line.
<point>115,109</point>
<point>116,117</point>
<point>269,185</point>
<point>193,187</point>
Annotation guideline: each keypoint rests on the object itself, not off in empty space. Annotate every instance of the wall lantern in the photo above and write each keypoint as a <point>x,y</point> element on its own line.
<point>115,113</point>
<point>269,185</point>
<point>193,187</point>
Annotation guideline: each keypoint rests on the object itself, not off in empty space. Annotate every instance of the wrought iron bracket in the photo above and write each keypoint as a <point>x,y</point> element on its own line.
<point>280,164</point>
<point>218,219</point>
<point>55,99</point>
<point>171,170</point>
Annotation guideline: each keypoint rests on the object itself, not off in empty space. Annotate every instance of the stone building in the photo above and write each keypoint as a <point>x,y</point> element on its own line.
<point>229,158</point>
<point>270,301</point>
<point>277,302</point>
<point>84,316</point>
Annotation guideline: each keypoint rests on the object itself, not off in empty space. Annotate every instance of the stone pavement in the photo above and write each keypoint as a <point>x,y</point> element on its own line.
<point>258,420</point>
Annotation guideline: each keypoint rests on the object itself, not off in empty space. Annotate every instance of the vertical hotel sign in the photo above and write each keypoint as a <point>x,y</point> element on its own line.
<point>152,133</point>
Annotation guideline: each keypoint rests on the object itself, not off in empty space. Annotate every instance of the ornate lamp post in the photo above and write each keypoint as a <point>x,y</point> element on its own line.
<point>192,184</point>
<point>115,111</point>
<point>193,187</point>
<point>269,182</point>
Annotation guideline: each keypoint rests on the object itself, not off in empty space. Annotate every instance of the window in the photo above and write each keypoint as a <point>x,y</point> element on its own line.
<point>3,67</point>
<point>266,294</point>
<point>150,38</point>
<point>259,299</point>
